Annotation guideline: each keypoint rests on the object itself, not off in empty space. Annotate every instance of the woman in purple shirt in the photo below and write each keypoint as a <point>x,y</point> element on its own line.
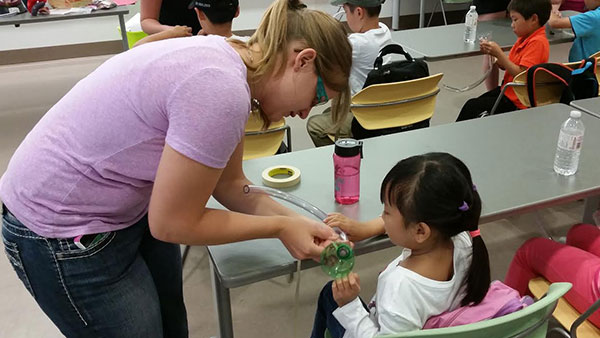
<point>123,165</point>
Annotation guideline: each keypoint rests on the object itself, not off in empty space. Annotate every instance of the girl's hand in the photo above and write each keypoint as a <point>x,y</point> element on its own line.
<point>306,238</point>
<point>346,289</point>
<point>180,31</point>
<point>355,230</point>
<point>491,48</point>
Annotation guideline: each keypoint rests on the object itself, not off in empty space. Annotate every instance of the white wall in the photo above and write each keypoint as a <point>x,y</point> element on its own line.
<point>105,28</point>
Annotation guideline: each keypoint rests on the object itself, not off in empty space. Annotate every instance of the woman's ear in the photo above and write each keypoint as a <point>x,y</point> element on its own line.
<point>237,12</point>
<point>421,232</point>
<point>305,59</point>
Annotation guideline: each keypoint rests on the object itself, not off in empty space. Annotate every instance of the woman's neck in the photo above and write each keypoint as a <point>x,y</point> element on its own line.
<point>249,55</point>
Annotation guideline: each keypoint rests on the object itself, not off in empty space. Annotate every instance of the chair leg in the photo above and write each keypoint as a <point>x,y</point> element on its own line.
<point>443,12</point>
<point>185,254</point>
<point>497,100</point>
<point>289,139</point>
<point>433,12</point>
<point>560,330</point>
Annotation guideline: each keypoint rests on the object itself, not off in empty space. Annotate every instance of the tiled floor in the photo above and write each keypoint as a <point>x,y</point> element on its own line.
<point>262,309</point>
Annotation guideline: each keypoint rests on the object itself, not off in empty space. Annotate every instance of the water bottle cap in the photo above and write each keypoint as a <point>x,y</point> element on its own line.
<point>348,147</point>
<point>473,7</point>
<point>575,114</point>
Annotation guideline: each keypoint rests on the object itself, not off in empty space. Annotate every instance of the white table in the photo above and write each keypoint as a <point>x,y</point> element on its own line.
<point>27,18</point>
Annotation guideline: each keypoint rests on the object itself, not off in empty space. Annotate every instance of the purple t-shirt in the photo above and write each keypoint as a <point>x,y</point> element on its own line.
<point>89,165</point>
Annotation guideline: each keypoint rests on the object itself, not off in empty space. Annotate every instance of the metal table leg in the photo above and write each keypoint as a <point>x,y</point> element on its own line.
<point>591,205</point>
<point>422,14</point>
<point>222,305</point>
<point>123,32</point>
<point>396,14</point>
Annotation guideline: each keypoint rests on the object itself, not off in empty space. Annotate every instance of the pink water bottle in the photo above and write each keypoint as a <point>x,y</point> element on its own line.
<point>346,163</point>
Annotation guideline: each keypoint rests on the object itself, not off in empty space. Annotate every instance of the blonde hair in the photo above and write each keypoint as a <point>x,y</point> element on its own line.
<point>286,21</point>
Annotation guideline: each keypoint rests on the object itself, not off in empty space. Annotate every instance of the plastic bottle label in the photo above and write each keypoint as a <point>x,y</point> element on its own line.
<point>569,142</point>
<point>471,21</point>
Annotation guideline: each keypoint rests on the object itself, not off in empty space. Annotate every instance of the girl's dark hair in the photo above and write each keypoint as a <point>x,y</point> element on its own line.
<point>431,188</point>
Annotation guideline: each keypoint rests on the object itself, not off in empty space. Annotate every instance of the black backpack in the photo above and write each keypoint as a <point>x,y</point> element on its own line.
<point>396,71</point>
<point>580,83</point>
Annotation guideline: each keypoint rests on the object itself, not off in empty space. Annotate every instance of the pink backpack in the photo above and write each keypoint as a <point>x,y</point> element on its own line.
<point>500,300</point>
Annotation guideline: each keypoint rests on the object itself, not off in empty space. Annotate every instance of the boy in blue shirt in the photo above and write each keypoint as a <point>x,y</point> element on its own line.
<point>586,27</point>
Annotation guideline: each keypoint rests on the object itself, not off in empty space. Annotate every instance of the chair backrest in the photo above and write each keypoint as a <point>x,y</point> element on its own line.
<point>389,105</point>
<point>259,142</point>
<point>548,88</point>
<point>532,321</point>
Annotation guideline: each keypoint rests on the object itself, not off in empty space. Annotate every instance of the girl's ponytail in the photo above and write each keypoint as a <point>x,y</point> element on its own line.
<point>478,277</point>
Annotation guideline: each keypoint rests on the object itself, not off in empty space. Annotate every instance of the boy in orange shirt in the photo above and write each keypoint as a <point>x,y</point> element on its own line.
<point>532,48</point>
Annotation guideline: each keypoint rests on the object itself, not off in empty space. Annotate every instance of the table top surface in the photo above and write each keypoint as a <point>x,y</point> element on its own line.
<point>25,18</point>
<point>590,106</point>
<point>449,41</point>
<point>510,157</point>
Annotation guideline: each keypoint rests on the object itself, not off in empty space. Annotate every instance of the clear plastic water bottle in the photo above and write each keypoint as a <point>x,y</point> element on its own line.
<point>471,25</point>
<point>568,148</point>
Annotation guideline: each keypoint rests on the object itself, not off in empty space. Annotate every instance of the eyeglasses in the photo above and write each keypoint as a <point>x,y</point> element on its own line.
<point>321,96</point>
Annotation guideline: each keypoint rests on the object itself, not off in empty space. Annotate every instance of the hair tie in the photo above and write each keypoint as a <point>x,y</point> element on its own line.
<point>474,187</point>
<point>475,233</point>
<point>464,207</point>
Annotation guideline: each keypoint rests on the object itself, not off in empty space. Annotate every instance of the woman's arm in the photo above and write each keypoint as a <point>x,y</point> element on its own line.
<point>174,32</point>
<point>149,12</point>
<point>178,210</point>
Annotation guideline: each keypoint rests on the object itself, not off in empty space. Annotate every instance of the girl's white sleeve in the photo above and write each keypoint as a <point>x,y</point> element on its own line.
<point>355,319</point>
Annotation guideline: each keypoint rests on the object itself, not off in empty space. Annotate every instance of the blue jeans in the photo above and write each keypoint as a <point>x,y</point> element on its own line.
<point>127,284</point>
<point>324,318</point>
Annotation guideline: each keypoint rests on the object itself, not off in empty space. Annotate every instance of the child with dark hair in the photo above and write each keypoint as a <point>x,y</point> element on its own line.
<point>532,47</point>
<point>368,37</point>
<point>432,210</point>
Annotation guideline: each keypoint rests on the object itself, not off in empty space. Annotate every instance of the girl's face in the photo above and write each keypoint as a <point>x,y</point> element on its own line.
<point>395,226</point>
<point>297,90</point>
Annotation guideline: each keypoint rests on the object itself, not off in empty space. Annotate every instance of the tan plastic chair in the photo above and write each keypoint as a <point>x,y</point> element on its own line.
<point>548,89</point>
<point>397,104</point>
<point>566,314</point>
<point>261,143</point>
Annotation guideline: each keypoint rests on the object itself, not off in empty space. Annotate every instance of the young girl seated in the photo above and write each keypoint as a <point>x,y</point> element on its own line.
<point>431,209</point>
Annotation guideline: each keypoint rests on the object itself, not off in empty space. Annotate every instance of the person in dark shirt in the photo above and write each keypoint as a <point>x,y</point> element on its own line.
<point>160,15</point>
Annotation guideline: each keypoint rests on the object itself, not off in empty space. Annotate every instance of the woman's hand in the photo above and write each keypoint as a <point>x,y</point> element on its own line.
<point>490,48</point>
<point>355,230</point>
<point>306,238</point>
<point>180,32</point>
<point>346,289</point>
